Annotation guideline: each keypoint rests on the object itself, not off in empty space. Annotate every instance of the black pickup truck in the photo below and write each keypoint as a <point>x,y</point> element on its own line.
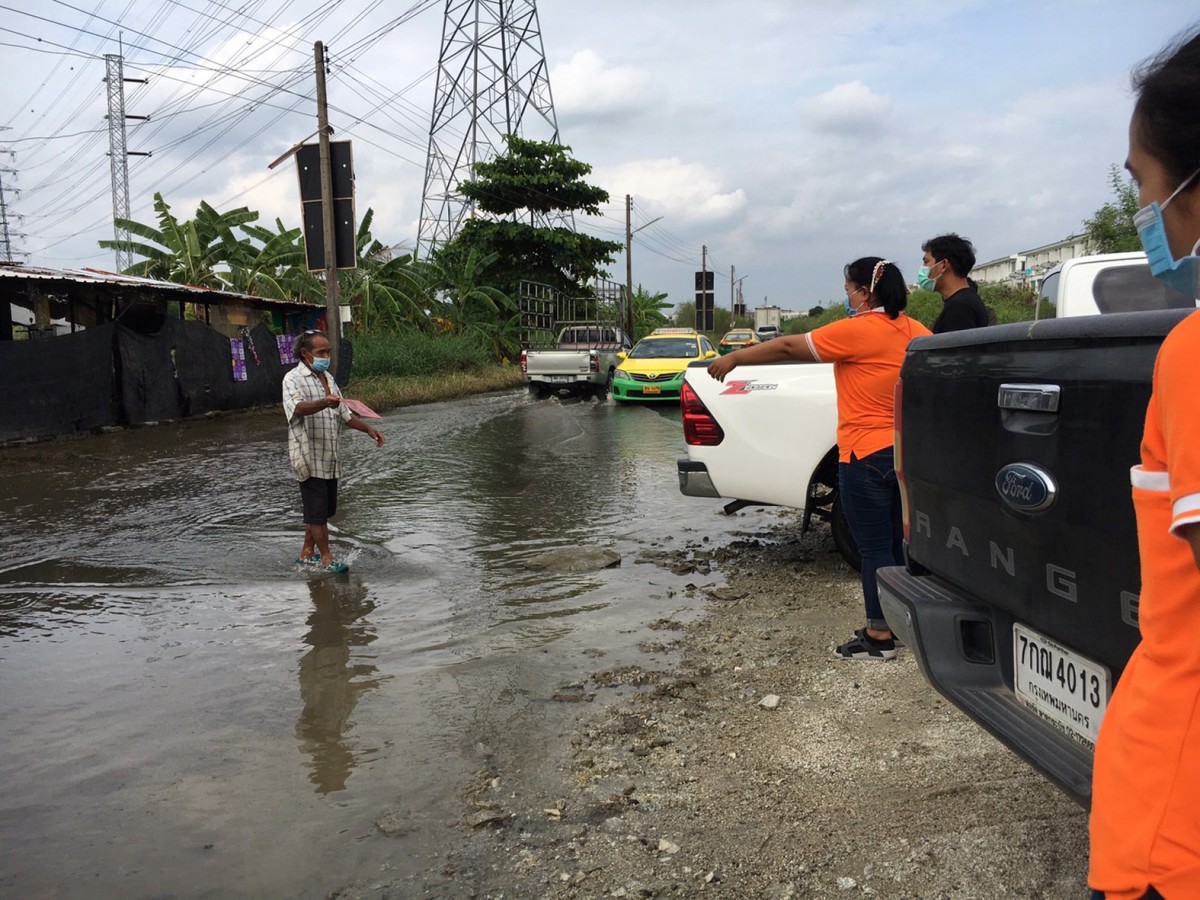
<point>1020,594</point>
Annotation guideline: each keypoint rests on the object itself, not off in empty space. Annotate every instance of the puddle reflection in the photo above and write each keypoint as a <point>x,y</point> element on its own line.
<point>333,676</point>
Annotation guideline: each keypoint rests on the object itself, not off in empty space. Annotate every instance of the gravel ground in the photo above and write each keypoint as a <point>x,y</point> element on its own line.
<point>681,780</point>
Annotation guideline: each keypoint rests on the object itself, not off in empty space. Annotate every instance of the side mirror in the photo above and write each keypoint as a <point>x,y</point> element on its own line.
<point>710,354</point>
<point>622,355</point>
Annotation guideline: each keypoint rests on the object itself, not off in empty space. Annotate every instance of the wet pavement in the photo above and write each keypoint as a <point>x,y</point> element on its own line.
<point>188,713</point>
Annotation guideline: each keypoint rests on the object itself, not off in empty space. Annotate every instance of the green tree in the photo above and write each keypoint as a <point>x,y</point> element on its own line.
<point>185,252</point>
<point>1111,228</point>
<point>531,179</point>
<point>648,312</point>
<point>469,302</point>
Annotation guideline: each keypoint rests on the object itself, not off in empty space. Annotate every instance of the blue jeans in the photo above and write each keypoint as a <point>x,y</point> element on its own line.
<point>871,501</point>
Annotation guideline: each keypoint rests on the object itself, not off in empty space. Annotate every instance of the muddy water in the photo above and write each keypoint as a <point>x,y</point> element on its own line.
<point>187,713</point>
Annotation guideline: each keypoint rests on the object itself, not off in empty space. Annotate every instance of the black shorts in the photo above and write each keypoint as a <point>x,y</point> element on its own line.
<point>319,496</point>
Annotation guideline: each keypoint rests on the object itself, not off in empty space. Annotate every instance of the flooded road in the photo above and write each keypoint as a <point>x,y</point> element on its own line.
<point>186,713</point>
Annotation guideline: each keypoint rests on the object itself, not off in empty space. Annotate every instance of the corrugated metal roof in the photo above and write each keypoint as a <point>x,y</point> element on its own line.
<point>193,293</point>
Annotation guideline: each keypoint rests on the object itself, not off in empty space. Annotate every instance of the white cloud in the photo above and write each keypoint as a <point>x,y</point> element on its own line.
<point>848,109</point>
<point>585,88</point>
<point>686,192</point>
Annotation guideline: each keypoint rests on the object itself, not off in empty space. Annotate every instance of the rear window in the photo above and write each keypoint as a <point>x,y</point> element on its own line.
<point>1132,289</point>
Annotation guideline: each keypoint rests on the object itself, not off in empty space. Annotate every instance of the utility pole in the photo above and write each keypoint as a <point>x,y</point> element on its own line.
<point>732,269</point>
<point>333,320</point>
<point>629,233</point>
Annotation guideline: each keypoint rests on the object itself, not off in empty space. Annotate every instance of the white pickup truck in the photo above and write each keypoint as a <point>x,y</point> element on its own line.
<point>767,435</point>
<point>581,362</point>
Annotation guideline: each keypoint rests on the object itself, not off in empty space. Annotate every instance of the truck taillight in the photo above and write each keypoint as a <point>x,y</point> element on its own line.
<point>898,449</point>
<point>700,429</point>
<point>524,363</point>
<point>595,360</point>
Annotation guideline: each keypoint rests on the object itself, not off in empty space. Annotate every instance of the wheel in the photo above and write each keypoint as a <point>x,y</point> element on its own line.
<point>602,391</point>
<point>842,538</point>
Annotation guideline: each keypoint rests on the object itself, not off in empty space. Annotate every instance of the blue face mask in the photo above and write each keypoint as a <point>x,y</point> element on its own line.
<point>850,310</point>
<point>1181,274</point>
<point>319,364</point>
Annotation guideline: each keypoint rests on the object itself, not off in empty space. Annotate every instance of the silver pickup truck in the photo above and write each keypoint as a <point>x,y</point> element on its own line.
<point>581,362</point>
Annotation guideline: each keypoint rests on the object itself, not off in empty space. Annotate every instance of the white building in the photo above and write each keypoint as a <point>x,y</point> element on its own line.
<point>1027,267</point>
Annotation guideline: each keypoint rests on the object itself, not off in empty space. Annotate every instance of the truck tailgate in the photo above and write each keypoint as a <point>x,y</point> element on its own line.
<point>1016,444</point>
<point>558,362</point>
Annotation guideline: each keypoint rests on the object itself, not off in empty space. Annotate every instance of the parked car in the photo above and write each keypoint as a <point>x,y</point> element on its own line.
<point>736,340</point>
<point>653,369</point>
<point>766,332</point>
<point>582,361</point>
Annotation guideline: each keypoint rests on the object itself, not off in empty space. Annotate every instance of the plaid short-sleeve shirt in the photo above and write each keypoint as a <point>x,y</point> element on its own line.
<point>312,440</point>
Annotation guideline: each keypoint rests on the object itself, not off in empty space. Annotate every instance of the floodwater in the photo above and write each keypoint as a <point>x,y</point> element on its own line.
<point>188,713</point>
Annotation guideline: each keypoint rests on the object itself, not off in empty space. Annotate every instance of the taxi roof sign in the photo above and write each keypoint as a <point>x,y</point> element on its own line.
<point>674,331</point>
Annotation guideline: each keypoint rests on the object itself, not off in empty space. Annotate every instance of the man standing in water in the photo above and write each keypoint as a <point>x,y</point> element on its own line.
<point>313,405</point>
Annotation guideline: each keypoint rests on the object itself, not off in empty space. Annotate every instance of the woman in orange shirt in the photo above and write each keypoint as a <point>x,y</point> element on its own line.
<point>1145,819</point>
<point>866,350</point>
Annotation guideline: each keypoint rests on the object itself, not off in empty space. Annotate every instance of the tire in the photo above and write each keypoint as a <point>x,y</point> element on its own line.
<point>602,391</point>
<point>842,538</point>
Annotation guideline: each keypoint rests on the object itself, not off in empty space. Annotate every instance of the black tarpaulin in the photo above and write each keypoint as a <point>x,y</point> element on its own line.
<point>60,385</point>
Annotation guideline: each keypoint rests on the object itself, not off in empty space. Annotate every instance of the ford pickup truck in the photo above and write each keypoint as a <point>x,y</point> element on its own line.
<point>581,362</point>
<point>1019,598</point>
<point>767,436</point>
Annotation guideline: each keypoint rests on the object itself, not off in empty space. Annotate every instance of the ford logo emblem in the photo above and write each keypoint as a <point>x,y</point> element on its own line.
<point>1025,487</point>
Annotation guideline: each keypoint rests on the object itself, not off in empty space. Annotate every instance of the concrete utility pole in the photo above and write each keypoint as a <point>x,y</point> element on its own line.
<point>629,233</point>
<point>333,318</point>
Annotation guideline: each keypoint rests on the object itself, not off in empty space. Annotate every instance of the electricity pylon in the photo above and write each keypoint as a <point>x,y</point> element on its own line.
<point>492,82</point>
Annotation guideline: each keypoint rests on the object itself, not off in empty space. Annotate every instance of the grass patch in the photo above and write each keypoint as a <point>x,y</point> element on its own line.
<point>384,392</point>
<point>415,353</point>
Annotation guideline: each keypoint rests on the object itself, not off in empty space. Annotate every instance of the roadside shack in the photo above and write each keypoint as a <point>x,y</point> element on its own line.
<point>85,350</point>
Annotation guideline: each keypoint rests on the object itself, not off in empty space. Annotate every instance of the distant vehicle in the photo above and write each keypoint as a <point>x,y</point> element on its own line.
<point>767,315</point>
<point>766,332</point>
<point>653,369</point>
<point>582,361</point>
<point>736,340</point>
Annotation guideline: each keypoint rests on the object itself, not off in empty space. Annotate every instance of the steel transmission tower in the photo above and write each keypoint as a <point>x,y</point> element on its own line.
<point>115,79</point>
<point>118,156</point>
<point>492,82</point>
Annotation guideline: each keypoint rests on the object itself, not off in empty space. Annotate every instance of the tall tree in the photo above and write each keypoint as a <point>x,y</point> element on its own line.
<point>532,180</point>
<point>1111,228</point>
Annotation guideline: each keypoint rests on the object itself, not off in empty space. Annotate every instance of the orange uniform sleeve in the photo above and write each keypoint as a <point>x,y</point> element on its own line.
<point>838,341</point>
<point>1178,413</point>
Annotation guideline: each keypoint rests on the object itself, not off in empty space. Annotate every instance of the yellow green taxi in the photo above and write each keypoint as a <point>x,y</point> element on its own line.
<point>653,370</point>
<point>737,339</point>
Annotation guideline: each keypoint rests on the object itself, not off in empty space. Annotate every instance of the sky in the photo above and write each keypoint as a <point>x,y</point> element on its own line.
<point>776,139</point>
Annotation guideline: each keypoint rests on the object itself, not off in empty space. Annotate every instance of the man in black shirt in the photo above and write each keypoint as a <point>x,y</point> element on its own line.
<point>948,259</point>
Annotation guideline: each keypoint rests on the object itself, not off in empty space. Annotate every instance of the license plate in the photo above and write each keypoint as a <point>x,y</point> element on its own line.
<point>561,377</point>
<point>652,389</point>
<point>1064,686</point>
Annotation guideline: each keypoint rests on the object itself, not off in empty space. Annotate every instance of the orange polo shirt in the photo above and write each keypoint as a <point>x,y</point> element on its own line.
<point>1145,820</point>
<point>867,351</point>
